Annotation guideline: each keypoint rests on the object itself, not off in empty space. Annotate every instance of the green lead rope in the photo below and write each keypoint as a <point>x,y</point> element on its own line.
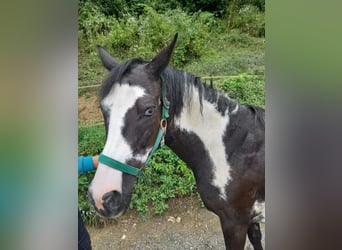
<point>159,140</point>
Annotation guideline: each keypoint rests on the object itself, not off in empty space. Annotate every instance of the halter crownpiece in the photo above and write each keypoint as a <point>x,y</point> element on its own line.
<point>158,142</point>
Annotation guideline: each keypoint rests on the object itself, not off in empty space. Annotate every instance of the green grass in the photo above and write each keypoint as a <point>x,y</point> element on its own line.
<point>90,139</point>
<point>227,57</point>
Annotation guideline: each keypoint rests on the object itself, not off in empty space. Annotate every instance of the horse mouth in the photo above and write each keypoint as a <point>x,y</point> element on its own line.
<point>112,204</point>
<point>109,214</point>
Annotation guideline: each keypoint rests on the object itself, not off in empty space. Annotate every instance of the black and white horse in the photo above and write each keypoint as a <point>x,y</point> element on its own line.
<point>221,140</point>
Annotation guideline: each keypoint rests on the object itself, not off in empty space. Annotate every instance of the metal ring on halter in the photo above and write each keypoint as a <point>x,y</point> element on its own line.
<point>163,124</point>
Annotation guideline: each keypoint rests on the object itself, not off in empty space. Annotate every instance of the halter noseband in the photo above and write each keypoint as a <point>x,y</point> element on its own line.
<point>158,142</point>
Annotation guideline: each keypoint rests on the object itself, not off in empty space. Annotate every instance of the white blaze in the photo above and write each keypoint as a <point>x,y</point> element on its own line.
<point>210,128</point>
<point>120,99</point>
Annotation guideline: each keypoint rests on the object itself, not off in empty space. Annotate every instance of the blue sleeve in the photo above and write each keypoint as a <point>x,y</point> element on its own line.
<point>85,164</point>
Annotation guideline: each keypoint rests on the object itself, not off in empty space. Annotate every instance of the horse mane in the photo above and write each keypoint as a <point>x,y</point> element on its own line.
<point>179,85</point>
<point>259,113</point>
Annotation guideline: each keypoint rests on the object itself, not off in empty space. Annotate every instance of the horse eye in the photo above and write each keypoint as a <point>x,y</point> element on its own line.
<point>149,111</point>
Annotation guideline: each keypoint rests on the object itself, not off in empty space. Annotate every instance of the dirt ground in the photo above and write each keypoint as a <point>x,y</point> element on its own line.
<point>89,112</point>
<point>184,226</point>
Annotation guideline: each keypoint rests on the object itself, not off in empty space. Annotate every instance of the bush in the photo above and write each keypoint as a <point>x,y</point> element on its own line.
<point>91,23</point>
<point>250,20</point>
<point>260,4</point>
<point>246,89</point>
<point>115,8</point>
<point>120,7</point>
<point>193,34</point>
<point>145,35</point>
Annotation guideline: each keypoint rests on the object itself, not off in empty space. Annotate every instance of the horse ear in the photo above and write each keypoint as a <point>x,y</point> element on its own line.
<point>162,59</point>
<point>107,60</point>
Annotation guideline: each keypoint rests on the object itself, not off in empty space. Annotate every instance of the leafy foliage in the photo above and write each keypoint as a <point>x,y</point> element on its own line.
<point>118,8</point>
<point>246,89</point>
<point>112,7</point>
<point>90,140</point>
<point>250,20</point>
<point>91,22</point>
<point>146,34</point>
<point>217,7</point>
<point>166,177</point>
<point>260,4</point>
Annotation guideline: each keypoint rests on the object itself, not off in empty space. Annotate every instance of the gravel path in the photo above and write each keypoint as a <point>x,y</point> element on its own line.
<point>188,227</point>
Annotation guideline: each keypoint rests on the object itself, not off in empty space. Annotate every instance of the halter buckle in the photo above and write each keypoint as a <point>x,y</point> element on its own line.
<point>163,126</point>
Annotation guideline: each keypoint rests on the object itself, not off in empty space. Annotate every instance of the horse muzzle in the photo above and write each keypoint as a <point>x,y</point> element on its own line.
<point>112,204</point>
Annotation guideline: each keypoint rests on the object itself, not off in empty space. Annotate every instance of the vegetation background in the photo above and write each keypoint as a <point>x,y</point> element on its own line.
<point>223,40</point>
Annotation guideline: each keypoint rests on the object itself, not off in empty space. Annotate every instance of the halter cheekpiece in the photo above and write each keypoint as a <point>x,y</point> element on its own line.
<point>158,142</point>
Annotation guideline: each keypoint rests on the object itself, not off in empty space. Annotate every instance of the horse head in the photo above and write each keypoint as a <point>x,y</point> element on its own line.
<point>131,103</point>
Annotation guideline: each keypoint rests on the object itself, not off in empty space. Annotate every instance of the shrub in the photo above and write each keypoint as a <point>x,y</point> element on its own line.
<point>250,20</point>
<point>146,34</point>
<point>92,22</point>
<point>246,89</point>
<point>115,8</point>
<point>217,7</point>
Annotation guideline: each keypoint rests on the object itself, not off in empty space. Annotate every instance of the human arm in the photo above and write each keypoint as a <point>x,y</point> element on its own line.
<point>87,163</point>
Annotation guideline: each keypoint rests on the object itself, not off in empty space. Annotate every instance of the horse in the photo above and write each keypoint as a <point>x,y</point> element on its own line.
<point>145,104</point>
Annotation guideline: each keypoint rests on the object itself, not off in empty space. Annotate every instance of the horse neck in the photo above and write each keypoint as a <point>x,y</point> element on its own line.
<point>195,134</point>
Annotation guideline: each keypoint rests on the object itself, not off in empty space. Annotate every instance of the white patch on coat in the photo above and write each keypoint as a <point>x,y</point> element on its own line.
<point>210,128</point>
<point>143,157</point>
<point>235,109</point>
<point>259,212</point>
<point>120,99</point>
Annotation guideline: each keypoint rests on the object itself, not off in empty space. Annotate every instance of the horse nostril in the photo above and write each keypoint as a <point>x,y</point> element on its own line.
<point>112,200</point>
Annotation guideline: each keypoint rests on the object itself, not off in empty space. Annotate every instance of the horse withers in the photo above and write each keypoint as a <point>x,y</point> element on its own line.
<point>221,141</point>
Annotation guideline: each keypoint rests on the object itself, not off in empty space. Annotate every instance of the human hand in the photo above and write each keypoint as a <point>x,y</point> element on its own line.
<point>96,160</point>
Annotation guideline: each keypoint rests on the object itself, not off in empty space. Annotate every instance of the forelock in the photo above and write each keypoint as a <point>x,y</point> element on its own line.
<point>115,75</point>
